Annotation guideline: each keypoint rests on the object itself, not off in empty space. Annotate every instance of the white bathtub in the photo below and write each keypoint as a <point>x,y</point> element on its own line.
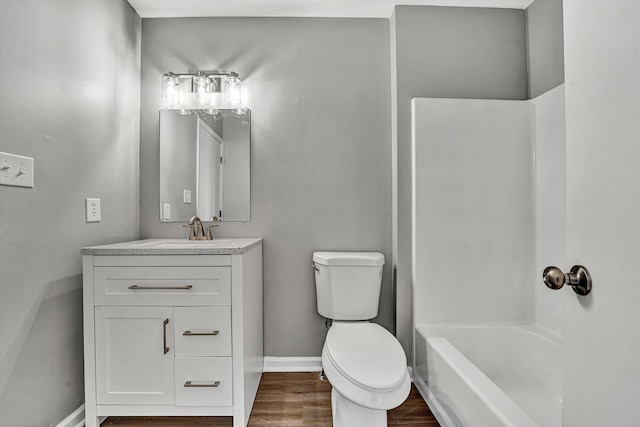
<point>493,376</point>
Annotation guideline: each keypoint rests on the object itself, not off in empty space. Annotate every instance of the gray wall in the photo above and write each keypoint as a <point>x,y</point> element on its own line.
<point>444,52</point>
<point>69,97</point>
<point>320,165</point>
<point>545,46</point>
<point>236,197</point>
<point>178,160</point>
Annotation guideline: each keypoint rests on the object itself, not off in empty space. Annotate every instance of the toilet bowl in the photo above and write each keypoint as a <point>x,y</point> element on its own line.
<point>364,363</point>
<point>367,369</point>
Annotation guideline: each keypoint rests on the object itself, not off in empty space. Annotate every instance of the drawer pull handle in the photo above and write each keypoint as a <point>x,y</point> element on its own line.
<point>213,384</point>
<point>164,336</point>
<point>192,334</point>
<point>134,287</point>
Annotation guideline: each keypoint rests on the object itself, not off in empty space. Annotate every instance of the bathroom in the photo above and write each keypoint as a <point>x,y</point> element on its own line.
<point>331,167</point>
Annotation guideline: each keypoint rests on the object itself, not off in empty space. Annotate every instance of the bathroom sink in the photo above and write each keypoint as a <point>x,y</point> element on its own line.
<point>144,243</point>
<point>189,243</point>
<point>174,243</point>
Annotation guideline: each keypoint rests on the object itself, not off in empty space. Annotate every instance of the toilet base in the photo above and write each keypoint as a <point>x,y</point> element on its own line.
<point>348,414</point>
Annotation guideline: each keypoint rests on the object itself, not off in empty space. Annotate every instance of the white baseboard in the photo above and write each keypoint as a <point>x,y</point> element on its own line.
<point>76,418</point>
<point>292,364</point>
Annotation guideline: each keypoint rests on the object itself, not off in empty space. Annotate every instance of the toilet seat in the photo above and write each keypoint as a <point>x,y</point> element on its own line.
<point>366,364</point>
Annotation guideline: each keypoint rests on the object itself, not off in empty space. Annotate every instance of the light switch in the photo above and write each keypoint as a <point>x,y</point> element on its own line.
<point>92,210</point>
<point>187,196</point>
<point>166,211</point>
<point>16,170</point>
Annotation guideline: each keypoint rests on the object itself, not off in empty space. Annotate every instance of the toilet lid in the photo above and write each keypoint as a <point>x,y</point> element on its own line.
<point>366,354</point>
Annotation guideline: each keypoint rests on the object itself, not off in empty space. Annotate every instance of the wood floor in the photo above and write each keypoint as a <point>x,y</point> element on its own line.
<point>290,399</point>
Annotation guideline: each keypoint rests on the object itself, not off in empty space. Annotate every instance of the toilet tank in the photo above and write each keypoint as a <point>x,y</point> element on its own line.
<point>348,284</point>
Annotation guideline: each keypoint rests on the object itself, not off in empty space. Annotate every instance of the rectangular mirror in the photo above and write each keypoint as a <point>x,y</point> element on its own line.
<point>205,165</point>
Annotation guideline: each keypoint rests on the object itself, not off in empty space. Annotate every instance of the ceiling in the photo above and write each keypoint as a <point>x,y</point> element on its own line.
<point>299,8</point>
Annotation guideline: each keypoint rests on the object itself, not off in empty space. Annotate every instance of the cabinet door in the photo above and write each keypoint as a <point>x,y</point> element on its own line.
<point>134,355</point>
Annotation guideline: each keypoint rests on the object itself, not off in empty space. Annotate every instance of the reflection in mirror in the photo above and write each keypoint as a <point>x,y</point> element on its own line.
<point>205,165</point>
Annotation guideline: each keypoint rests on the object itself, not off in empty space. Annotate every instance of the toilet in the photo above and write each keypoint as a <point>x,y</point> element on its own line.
<point>364,363</point>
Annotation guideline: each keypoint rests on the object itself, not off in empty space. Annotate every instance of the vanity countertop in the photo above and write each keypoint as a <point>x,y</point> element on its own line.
<point>217,246</point>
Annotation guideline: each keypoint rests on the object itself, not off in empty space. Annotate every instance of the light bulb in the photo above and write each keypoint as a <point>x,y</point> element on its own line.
<point>233,90</point>
<point>170,89</point>
<point>201,89</point>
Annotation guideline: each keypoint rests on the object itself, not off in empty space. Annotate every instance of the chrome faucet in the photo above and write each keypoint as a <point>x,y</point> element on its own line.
<point>196,229</point>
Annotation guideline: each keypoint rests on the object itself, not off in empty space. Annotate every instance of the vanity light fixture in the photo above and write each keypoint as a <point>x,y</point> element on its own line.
<point>198,90</point>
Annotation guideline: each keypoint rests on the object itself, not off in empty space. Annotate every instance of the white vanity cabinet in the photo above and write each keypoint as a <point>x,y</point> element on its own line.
<point>172,329</point>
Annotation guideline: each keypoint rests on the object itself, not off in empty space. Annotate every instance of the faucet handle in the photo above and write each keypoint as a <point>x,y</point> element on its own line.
<point>214,224</point>
<point>192,232</point>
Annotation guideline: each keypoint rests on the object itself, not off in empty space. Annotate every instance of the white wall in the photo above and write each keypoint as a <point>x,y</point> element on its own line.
<point>473,211</point>
<point>69,98</point>
<point>548,140</point>
<point>602,330</point>
<point>467,269</point>
<point>208,175</point>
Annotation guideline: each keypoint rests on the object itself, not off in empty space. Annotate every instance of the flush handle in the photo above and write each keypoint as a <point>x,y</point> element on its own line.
<point>578,278</point>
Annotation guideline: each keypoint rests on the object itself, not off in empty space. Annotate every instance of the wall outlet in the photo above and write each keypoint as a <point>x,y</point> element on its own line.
<point>166,211</point>
<point>92,210</point>
<point>187,196</point>
<point>16,170</point>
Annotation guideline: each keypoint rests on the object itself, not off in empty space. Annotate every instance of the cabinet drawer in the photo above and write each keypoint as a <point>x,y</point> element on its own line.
<point>202,331</point>
<point>203,381</point>
<point>162,286</point>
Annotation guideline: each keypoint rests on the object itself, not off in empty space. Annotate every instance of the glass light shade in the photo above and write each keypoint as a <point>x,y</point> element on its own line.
<point>233,91</point>
<point>170,89</point>
<point>201,89</point>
